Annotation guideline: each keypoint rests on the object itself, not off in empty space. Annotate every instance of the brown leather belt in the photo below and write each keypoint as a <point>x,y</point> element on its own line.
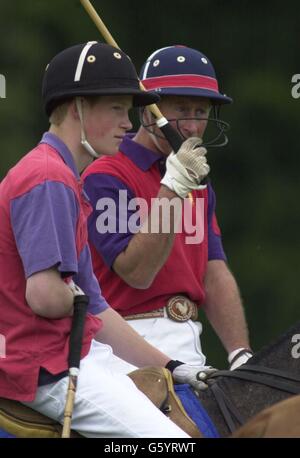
<point>178,308</point>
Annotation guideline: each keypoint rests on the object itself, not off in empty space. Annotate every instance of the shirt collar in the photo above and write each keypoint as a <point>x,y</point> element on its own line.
<point>62,149</point>
<point>142,157</point>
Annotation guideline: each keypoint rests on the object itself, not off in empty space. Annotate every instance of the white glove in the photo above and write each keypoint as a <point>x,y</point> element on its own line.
<point>187,168</point>
<point>75,288</point>
<point>238,357</point>
<point>194,375</point>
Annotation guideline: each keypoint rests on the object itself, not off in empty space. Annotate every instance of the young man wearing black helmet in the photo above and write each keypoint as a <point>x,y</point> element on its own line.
<point>159,279</point>
<point>44,257</point>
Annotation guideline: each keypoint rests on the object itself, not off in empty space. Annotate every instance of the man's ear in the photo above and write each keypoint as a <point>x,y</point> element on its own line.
<point>73,110</point>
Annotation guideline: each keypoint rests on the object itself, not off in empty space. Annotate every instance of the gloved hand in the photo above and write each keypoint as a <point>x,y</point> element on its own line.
<point>194,375</point>
<point>238,357</point>
<point>187,168</point>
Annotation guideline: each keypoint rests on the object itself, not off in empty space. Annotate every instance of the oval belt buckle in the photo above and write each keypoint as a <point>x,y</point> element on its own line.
<point>180,308</point>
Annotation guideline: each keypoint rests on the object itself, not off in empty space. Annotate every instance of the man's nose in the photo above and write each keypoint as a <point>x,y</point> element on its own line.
<point>191,127</point>
<point>126,123</point>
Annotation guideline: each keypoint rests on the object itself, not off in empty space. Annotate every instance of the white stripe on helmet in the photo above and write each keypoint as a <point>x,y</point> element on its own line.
<point>82,58</point>
<point>144,76</point>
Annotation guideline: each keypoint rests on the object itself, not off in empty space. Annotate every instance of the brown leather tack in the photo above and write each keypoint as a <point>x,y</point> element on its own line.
<point>24,422</point>
<point>157,384</point>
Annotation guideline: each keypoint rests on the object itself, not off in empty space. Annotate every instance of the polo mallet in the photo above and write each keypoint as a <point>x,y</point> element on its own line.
<point>173,137</point>
<point>75,344</point>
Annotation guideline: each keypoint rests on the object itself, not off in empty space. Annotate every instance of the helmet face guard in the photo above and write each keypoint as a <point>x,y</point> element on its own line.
<point>215,130</point>
<point>182,71</point>
<point>92,69</point>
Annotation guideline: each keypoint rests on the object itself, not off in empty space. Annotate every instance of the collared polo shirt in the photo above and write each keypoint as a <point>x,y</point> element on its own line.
<point>43,213</point>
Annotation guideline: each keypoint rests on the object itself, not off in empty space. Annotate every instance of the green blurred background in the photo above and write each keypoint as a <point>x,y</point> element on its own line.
<point>254,46</point>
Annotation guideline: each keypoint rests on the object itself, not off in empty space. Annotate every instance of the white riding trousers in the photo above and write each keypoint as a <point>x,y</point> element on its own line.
<point>107,405</point>
<point>180,341</point>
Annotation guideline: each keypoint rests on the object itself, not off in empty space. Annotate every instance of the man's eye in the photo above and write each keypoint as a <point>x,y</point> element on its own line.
<point>202,113</point>
<point>180,109</point>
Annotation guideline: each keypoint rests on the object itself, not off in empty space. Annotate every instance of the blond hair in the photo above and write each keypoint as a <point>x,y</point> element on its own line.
<point>59,113</point>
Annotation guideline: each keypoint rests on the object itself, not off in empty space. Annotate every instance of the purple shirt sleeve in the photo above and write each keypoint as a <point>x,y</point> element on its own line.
<point>44,224</point>
<point>88,282</point>
<point>110,235</point>
<point>215,247</point>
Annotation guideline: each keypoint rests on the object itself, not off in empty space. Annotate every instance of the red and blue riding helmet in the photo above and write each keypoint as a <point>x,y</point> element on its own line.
<point>182,71</point>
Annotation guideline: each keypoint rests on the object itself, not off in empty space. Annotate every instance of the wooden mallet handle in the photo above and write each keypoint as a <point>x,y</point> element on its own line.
<point>169,132</point>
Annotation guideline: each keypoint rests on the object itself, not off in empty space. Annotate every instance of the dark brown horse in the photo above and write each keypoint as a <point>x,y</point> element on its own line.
<point>270,376</point>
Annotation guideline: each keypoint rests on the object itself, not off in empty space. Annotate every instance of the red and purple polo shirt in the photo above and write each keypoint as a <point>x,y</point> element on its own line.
<point>43,214</point>
<point>135,172</point>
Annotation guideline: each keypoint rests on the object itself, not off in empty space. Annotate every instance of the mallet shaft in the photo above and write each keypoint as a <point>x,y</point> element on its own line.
<point>110,40</point>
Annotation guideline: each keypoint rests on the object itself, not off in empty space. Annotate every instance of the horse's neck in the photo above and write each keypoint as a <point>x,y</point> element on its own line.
<point>251,397</point>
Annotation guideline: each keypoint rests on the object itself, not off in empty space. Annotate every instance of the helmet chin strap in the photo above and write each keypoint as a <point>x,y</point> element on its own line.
<point>84,141</point>
<point>155,141</point>
<point>153,136</point>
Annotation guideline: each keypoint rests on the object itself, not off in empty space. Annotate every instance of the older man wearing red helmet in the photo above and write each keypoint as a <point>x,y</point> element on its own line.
<point>158,279</point>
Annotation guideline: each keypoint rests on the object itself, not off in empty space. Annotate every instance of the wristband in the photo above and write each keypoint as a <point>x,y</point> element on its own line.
<point>235,354</point>
<point>171,365</point>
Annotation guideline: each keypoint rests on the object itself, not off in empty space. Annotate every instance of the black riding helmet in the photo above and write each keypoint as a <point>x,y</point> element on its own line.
<point>92,69</point>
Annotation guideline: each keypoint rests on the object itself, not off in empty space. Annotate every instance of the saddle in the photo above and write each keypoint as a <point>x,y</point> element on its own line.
<point>23,422</point>
<point>156,383</point>
<point>280,420</point>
